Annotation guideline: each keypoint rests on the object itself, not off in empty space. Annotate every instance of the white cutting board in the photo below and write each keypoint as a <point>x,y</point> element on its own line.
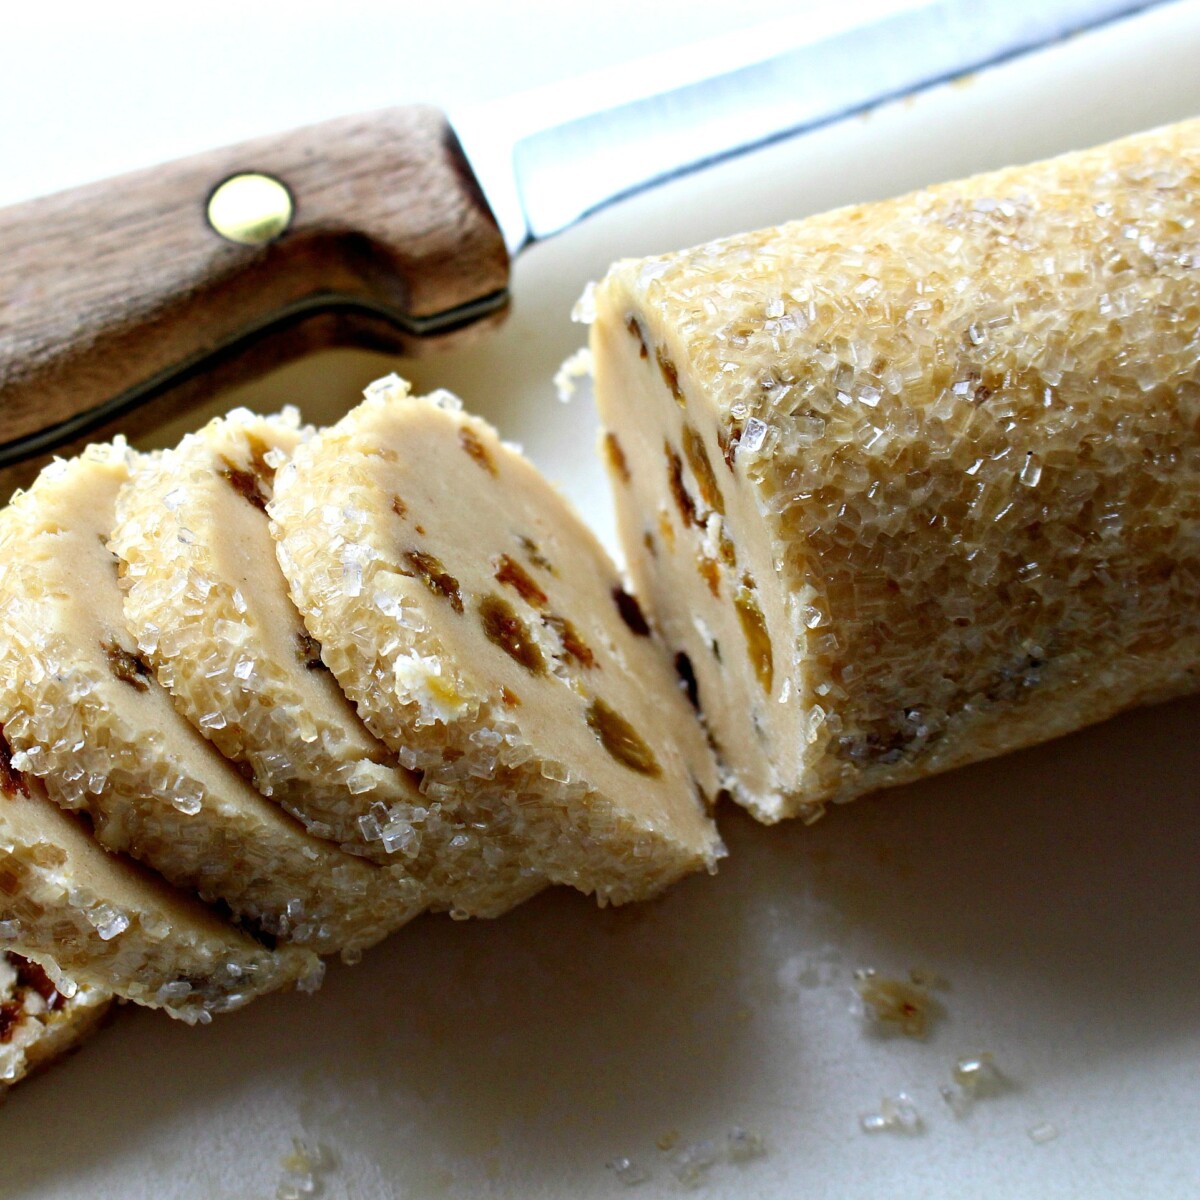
<point>1055,890</point>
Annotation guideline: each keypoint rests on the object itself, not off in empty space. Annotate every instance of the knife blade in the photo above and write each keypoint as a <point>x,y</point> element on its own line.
<point>615,132</point>
<point>393,230</point>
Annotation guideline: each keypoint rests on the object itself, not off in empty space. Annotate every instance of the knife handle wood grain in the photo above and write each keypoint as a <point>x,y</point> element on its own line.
<point>109,287</point>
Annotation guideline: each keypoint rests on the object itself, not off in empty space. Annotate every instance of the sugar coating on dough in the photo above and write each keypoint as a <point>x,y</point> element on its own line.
<point>98,923</point>
<point>914,483</point>
<point>84,712</point>
<point>482,633</point>
<point>209,607</point>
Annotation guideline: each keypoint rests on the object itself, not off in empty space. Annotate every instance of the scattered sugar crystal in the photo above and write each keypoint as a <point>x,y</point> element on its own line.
<point>668,1140</point>
<point>978,1075</point>
<point>1031,472</point>
<point>1042,1132</point>
<point>9,930</point>
<point>627,1171</point>
<point>956,1100</point>
<point>578,366</point>
<point>584,310</point>
<point>742,1145</point>
<point>897,1114</point>
<point>693,1161</point>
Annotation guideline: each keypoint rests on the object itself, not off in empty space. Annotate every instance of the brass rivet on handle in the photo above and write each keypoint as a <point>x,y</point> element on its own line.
<point>250,209</point>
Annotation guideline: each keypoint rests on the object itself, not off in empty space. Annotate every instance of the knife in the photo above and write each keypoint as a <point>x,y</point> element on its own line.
<point>124,300</point>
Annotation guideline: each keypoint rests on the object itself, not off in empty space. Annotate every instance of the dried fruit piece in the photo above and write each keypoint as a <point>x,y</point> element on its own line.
<point>505,629</point>
<point>470,442</point>
<point>679,493</point>
<point>670,375</point>
<point>510,572</point>
<point>574,647</point>
<point>617,463</point>
<point>535,555</point>
<point>620,739</point>
<point>308,649</point>
<point>127,666</point>
<point>754,630</point>
<point>635,328</point>
<point>706,481</point>
<point>431,571</point>
<point>247,484</point>
<point>631,611</point>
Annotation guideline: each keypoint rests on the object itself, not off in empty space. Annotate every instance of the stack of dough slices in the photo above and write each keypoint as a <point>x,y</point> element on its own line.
<point>483,633</point>
<point>84,711</point>
<point>208,786</point>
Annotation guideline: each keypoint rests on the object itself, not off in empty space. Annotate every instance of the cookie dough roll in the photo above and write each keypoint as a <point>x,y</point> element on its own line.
<point>86,714</point>
<point>95,923</point>
<point>38,1023</point>
<point>484,634</point>
<point>915,483</point>
<point>209,607</point>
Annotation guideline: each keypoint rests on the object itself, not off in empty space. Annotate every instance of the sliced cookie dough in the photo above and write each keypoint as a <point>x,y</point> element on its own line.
<point>38,1023</point>
<point>97,923</point>
<point>915,483</point>
<point>485,635</point>
<point>84,712</point>
<point>210,609</point>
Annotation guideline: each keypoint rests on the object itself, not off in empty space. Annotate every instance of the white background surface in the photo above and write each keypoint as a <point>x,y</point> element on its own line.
<point>1055,890</point>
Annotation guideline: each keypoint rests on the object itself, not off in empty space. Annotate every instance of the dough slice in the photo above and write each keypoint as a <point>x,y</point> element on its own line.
<point>484,635</point>
<point>98,923</point>
<point>210,610</point>
<point>84,712</point>
<point>38,1024</point>
<point>915,483</point>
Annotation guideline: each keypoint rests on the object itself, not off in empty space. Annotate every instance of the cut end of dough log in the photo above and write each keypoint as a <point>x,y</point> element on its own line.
<point>915,483</point>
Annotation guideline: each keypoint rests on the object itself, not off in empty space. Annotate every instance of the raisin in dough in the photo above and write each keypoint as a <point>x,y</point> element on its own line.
<point>97,921</point>
<point>209,607</point>
<point>484,635</point>
<point>915,483</point>
<point>85,713</point>
<point>38,1023</point>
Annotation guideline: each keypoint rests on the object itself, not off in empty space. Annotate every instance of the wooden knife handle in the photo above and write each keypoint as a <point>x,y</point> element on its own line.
<point>108,287</point>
